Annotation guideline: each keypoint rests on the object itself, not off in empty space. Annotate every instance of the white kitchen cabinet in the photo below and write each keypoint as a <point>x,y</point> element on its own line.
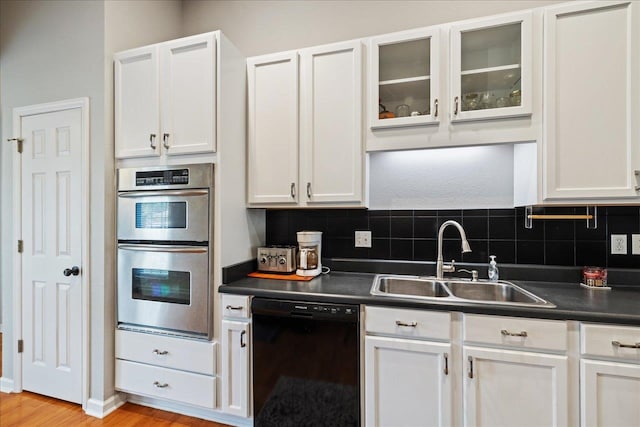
<point>235,378</point>
<point>610,387</point>
<point>404,78</point>
<point>407,382</point>
<point>305,127</point>
<point>165,98</point>
<point>491,67</point>
<point>408,365</point>
<point>591,143</point>
<point>523,382</point>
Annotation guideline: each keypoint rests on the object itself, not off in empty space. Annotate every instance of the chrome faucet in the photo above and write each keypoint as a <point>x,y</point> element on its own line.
<point>440,266</point>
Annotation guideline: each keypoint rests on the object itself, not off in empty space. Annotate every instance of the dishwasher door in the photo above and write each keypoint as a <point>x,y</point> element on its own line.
<point>306,364</point>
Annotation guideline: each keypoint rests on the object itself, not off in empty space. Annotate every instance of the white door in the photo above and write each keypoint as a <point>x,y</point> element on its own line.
<point>407,383</point>
<point>188,82</point>
<point>235,381</point>
<point>273,128</point>
<point>332,153</point>
<point>137,103</point>
<point>514,388</point>
<point>52,235</point>
<point>609,394</point>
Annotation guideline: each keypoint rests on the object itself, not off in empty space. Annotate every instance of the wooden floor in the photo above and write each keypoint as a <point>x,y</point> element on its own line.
<point>30,409</point>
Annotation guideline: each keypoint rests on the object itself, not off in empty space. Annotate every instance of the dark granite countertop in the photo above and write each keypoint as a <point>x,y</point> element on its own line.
<point>620,305</point>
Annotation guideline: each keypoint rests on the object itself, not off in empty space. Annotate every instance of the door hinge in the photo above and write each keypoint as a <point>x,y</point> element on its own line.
<point>19,142</point>
<point>20,346</point>
<point>20,246</point>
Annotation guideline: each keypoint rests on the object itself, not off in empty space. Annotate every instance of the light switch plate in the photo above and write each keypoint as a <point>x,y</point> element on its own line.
<point>635,244</point>
<point>618,244</point>
<point>363,239</point>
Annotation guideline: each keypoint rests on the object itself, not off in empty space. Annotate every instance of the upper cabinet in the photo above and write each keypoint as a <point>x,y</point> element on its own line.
<point>591,143</point>
<point>491,68</point>
<point>165,98</point>
<point>305,127</point>
<point>404,81</point>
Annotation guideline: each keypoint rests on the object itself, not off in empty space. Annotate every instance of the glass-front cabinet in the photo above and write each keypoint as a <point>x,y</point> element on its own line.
<point>404,78</point>
<point>491,64</point>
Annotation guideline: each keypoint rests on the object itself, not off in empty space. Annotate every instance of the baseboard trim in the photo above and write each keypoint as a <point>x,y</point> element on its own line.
<point>206,414</point>
<point>6,385</point>
<point>101,408</point>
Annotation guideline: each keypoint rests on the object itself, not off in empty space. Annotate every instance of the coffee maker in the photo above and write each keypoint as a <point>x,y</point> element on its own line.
<point>309,253</point>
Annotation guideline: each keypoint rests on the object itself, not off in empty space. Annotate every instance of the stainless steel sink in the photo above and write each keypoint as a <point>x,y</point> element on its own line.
<point>409,286</point>
<point>453,290</point>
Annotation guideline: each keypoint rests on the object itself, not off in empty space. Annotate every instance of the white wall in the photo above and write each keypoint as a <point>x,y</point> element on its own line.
<point>258,27</point>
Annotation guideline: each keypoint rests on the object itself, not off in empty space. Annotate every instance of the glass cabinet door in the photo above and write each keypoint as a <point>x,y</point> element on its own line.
<point>404,79</point>
<point>491,68</point>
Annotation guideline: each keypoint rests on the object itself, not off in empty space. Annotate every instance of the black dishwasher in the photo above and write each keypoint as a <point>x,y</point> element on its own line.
<point>306,364</point>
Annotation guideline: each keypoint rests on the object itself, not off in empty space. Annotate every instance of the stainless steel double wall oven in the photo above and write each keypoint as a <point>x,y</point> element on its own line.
<point>165,256</point>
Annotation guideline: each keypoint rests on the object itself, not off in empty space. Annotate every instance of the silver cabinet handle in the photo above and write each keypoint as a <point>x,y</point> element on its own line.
<point>165,140</point>
<point>309,190</point>
<point>234,307</point>
<point>293,190</point>
<point>470,373</point>
<point>163,248</point>
<point>163,193</point>
<point>435,107</point>
<point>242,342</point>
<point>455,102</point>
<point>409,325</point>
<point>157,384</point>
<point>506,333</point>
<point>152,141</point>
<point>618,344</point>
<point>446,363</point>
<point>160,352</point>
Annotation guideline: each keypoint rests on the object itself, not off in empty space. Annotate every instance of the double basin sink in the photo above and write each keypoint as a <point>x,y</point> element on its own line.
<point>455,290</point>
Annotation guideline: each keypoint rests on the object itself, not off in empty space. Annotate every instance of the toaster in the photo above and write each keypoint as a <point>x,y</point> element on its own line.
<point>277,259</point>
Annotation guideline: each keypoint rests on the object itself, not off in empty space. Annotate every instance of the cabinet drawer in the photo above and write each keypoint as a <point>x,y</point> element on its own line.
<point>236,306</point>
<point>610,341</point>
<point>516,332</point>
<point>408,323</point>
<point>169,352</point>
<point>194,389</point>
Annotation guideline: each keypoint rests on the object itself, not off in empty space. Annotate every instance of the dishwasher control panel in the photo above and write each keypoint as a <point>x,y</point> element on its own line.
<point>337,312</point>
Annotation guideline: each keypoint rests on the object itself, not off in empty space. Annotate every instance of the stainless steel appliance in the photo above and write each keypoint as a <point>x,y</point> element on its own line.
<point>165,223</point>
<point>277,259</point>
<point>306,369</point>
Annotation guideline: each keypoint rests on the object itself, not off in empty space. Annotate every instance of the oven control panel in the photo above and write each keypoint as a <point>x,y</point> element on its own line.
<point>162,177</point>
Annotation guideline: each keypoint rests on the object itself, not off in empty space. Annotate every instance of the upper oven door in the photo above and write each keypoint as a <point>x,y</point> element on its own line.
<point>164,215</point>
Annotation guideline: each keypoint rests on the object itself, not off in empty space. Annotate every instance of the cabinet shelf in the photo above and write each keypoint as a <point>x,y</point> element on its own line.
<point>406,80</point>
<point>502,78</point>
<point>490,69</point>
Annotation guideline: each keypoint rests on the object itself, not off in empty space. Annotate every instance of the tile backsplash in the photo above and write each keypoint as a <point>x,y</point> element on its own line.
<point>411,235</point>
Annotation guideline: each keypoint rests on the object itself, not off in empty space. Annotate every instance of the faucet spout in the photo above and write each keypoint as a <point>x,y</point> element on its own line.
<point>440,267</point>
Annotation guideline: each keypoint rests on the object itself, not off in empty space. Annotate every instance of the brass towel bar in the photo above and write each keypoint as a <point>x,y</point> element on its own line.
<point>591,217</point>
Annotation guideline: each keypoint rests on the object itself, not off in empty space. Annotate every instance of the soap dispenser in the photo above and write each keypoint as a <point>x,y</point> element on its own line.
<point>493,269</point>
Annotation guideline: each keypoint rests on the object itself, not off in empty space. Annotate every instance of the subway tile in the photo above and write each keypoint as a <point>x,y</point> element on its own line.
<point>450,232</point>
<point>401,249</point>
<point>559,253</point>
<point>623,224</point>
<point>452,249</point>
<point>623,211</point>
<point>425,250</point>
<point>591,254</point>
<point>380,248</point>
<point>401,227</point>
<point>476,227</point>
<point>504,250</point>
<point>429,213</point>
<point>559,229</point>
<point>502,228</point>
<point>584,233</point>
<point>501,212</point>
<point>623,261</point>
<point>479,251</point>
<point>529,252</point>
<point>449,213</point>
<point>534,233</point>
<point>380,213</point>
<point>425,227</point>
<point>380,226</point>
<point>401,213</point>
<point>475,212</point>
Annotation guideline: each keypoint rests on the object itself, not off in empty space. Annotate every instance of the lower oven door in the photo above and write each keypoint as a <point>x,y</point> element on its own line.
<point>164,287</point>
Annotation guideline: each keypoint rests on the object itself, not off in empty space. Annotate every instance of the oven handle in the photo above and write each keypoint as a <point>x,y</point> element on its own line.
<point>164,248</point>
<point>157,193</point>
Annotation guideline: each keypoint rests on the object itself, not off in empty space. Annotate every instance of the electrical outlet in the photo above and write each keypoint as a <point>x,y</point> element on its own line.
<point>363,239</point>
<point>618,244</point>
<point>635,244</point>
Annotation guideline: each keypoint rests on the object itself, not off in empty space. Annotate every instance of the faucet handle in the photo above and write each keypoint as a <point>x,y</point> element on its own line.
<point>449,268</point>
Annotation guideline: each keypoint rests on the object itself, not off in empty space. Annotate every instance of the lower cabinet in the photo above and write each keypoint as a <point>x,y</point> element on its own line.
<point>235,378</point>
<point>514,388</point>
<point>164,367</point>
<point>609,387</point>
<point>407,382</point>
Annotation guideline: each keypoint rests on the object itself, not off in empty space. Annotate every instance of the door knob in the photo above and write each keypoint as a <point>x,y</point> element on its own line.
<point>75,270</point>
